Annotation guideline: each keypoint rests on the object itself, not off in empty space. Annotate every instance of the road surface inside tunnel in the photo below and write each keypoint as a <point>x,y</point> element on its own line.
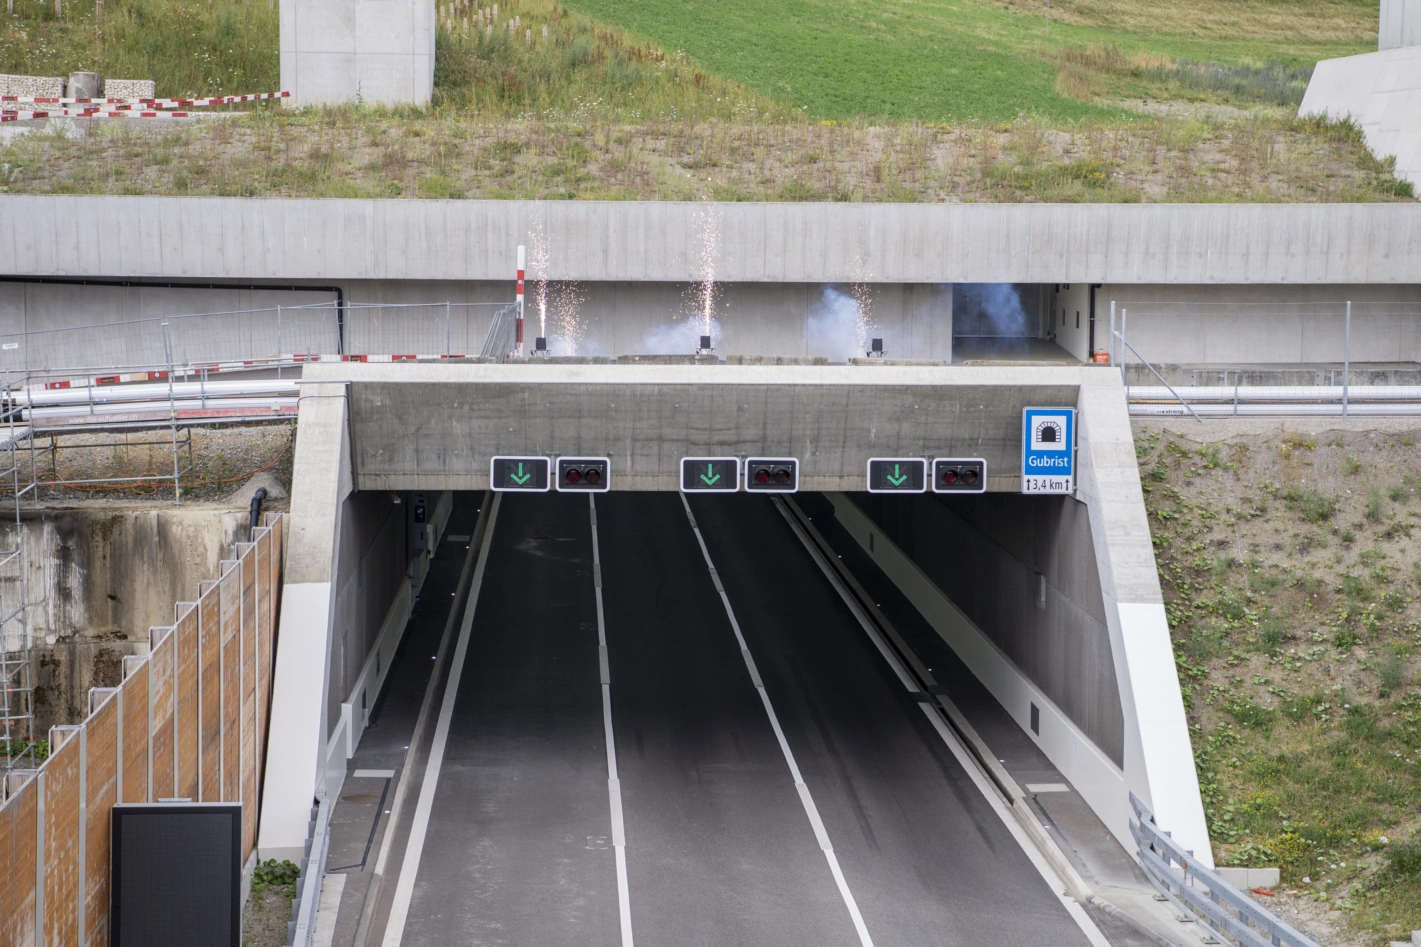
<point>885,840</point>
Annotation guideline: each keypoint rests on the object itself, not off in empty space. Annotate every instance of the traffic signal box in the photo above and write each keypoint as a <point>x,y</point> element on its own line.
<point>897,475</point>
<point>710,474</point>
<point>958,475</point>
<point>588,474</point>
<point>772,475</point>
<point>526,474</point>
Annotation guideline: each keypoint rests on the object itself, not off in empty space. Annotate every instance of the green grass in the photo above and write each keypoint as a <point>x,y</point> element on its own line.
<point>927,60</point>
<point>213,47</point>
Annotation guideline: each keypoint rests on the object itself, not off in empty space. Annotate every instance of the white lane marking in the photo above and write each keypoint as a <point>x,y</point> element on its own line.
<point>810,809</point>
<point>614,784</point>
<point>399,911</point>
<point>332,887</point>
<point>1048,874</point>
<point>994,799</point>
<point>373,773</point>
<point>1047,787</point>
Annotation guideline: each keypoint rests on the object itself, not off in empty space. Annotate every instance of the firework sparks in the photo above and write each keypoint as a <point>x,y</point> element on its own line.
<point>863,296</point>
<point>538,264</point>
<point>567,322</point>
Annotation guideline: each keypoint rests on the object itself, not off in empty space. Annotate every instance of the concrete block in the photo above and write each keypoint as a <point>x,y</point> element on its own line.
<point>84,85</point>
<point>1399,24</point>
<point>1246,879</point>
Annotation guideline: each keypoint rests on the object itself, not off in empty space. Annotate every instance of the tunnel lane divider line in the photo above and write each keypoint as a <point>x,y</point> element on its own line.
<point>414,849</point>
<point>810,809</point>
<point>421,724</point>
<point>995,788</point>
<point>614,782</point>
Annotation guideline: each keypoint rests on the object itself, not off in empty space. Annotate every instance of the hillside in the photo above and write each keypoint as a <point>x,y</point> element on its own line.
<point>1291,567</point>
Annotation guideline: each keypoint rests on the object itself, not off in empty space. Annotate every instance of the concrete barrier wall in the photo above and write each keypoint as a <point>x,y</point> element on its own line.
<point>1022,569</point>
<point>188,720</point>
<point>601,241</point>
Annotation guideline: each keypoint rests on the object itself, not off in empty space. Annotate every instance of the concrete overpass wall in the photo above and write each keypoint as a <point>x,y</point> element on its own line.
<point>645,241</point>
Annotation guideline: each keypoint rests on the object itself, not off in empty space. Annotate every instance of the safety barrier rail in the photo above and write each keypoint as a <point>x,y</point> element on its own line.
<point>1274,401</point>
<point>302,930</point>
<point>1196,890</point>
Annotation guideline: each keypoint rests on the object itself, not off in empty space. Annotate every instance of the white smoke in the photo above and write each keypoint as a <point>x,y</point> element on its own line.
<point>679,338</point>
<point>836,328</point>
<point>1000,305</point>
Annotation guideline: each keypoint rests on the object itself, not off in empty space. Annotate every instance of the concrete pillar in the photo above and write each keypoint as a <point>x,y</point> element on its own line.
<point>296,750</point>
<point>377,51</point>
<point>1159,759</point>
<point>1399,25</point>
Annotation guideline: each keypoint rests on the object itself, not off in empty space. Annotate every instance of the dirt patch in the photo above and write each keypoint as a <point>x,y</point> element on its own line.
<point>265,916</point>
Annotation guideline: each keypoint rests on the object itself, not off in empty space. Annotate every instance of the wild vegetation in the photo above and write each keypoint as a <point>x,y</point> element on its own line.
<point>1291,568</point>
<point>940,100</point>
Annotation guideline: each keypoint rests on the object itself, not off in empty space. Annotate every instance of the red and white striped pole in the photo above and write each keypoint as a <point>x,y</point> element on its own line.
<point>520,300</point>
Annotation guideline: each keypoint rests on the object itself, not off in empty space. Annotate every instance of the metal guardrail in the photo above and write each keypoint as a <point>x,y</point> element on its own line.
<point>1199,891</point>
<point>313,870</point>
<point>1274,400</point>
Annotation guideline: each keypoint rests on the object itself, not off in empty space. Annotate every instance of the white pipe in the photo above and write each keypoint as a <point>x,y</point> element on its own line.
<point>1257,393</point>
<point>160,408</point>
<point>128,393</point>
<point>1369,409</point>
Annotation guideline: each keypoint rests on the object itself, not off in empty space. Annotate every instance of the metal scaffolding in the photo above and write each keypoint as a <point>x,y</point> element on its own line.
<point>17,717</point>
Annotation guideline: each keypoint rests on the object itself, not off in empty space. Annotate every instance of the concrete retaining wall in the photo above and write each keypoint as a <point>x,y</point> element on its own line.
<point>1023,570</point>
<point>287,239</point>
<point>96,580</point>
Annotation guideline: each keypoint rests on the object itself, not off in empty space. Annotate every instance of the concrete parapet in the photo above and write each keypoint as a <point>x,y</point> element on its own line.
<point>437,426</point>
<point>644,241</point>
<point>776,360</point>
<point>668,360</point>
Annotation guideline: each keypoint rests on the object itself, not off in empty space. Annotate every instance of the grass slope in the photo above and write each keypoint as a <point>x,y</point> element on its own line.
<point>1291,572</point>
<point>952,60</point>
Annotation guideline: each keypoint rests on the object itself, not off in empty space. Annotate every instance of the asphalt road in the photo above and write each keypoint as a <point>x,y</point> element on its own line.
<point>720,849</point>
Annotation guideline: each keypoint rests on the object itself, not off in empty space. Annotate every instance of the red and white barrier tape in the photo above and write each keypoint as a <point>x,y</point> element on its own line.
<point>91,113</point>
<point>142,103</point>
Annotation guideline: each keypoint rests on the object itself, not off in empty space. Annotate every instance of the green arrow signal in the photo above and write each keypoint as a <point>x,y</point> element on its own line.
<point>710,481</point>
<point>896,478</point>
<point>520,477</point>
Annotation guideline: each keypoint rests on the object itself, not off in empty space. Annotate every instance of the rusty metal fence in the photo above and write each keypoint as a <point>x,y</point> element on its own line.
<point>188,721</point>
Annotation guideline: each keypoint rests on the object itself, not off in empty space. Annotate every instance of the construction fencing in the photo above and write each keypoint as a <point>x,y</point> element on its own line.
<point>189,721</point>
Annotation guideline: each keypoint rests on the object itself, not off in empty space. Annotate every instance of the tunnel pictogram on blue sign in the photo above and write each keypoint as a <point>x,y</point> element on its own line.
<point>1048,450</point>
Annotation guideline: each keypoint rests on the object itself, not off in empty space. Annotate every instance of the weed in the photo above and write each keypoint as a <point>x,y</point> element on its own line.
<point>1313,507</point>
<point>1272,634</point>
<point>1350,465</point>
<point>1348,537</point>
<point>1391,668</point>
<point>1221,567</point>
<point>1250,714</point>
<point>1404,860</point>
<point>1374,505</point>
<point>1397,494</point>
<point>274,873</point>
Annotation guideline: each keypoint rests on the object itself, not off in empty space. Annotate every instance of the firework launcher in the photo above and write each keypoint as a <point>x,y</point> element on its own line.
<point>706,348</point>
<point>875,348</point>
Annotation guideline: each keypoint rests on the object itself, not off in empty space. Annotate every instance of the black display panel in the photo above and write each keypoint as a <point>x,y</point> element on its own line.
<point>177,875</point>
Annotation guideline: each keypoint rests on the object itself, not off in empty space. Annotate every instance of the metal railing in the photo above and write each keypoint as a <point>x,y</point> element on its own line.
<point>274,335</point>
<point>1221,401</point>
<point>1196,890</point>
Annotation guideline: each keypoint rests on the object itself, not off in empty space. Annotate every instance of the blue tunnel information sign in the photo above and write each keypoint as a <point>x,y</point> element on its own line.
<point>1048,450</point>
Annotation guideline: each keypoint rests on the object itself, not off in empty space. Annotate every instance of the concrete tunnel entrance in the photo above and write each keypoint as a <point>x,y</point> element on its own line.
<point>727,647</point>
